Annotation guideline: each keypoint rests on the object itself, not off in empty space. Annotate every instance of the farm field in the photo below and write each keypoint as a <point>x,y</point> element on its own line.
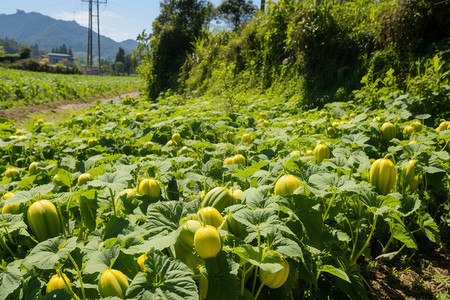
<point>21,88</point>
<point>304,204</point>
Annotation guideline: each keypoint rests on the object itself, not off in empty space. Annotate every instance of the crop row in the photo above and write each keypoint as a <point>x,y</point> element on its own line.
<point>178,199</point>
<point>19,87</point>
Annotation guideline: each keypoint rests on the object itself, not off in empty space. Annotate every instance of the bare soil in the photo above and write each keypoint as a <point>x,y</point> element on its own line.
<point>22,113</point>
<point>418,279</point>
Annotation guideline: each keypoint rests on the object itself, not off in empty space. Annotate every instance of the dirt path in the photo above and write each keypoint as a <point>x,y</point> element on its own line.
<point>22,113</point>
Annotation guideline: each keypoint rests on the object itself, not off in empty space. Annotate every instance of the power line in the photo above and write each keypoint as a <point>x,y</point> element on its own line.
<point>90,44</point>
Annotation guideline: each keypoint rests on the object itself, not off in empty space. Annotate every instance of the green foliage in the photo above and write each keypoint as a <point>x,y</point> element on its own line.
<point>178,25</point>
<point>325,230</point>
<point>425,91</point>
<point>19,87</point>
<point>235,12</point>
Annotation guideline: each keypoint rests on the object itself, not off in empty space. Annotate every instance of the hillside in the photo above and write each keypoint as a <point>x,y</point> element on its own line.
<point>35,28</point>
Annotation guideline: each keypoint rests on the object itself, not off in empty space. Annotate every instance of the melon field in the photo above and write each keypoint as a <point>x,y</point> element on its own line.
<point>21,88</point>
<point>190,199</point>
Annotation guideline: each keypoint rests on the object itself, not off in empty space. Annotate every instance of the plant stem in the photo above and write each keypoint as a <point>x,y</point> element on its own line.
<point>63,225</point>
<point>79,275</point>
<point>354,259</point>
<point>113,201</point>
<point>243,280</point>
<point>329,207</point>
<point>67,284</point>
<point>387,244</point>
<point>259,291</point>
<point>8,235</point>
<point>3,243</point>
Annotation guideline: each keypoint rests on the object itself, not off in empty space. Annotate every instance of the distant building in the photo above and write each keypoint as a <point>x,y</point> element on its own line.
<point>55,58</point>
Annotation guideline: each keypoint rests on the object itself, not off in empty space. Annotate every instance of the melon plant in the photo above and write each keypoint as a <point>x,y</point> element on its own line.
<point>44,220</point>
<point>219,198</point>
<point>383,175</point>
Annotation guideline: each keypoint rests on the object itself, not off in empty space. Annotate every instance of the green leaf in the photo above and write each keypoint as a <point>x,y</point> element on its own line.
<point>47,254</point>
<point>222,277</point>
<point>283,245</point>
<point>115,226</point>
<point>31,286</point>
<point>254,255</point>
<point>117,181</point>
<point>91,161</point>
<point>25,196</point>
<point>165,278</point>
<point>164,217</point>
<point>430,228</point>
<point>68,162</point>
<point>409,204</point>
<point>249,171</point>
<point>399,230</point>
<point>65,177</point>
<point>88,209</point>
<point>99,261</point>
<point>9,282</point>
<point>334,271</point>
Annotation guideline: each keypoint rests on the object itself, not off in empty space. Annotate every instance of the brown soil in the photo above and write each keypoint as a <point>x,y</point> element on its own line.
<point>22,113</point>
<point>422,279</point>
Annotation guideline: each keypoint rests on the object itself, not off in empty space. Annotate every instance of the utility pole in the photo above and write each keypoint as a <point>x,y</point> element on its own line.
<point>90,43</point>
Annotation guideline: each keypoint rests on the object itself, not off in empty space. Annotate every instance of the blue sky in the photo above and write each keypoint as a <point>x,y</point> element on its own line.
<point>119,19</point>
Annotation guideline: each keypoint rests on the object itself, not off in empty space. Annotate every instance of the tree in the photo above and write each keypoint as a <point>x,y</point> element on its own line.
<point>70,52</point>
<point>120,56</point>
<point>236,12</point>
<point>63,49</point>
<point>128,64</point>
<point>25,52</point>
<point>174,30</point>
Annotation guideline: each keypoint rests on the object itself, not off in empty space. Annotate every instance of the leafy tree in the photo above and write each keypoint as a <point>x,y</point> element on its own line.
<point>236,12</point>
<point>25,52</point>
<point>128,64</point>
<point>1,50</point>
<point>70,52</point>
<point>180,23</point>
<point>120,56</point>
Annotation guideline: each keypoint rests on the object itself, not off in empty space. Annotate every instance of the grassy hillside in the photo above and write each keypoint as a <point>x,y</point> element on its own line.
<point>363,50</point>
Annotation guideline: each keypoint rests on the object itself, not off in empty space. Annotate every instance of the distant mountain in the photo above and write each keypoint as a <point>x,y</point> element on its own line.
<point>34,28</point>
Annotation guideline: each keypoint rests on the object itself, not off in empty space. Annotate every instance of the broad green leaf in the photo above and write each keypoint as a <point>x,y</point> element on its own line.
<point>409,204</point>
<point>116,226</point>
<point>68,162</point>
<point>65,177</point>
<point>116,181</point>
<point>334,271</point>
<point>91,161</point>
<point>430,228</point>
<point>100,261</point>
<point>88,209</point>
<point>31,286</point>
<point>9,282</point>
<point>399,230</point>
<point>164,217</point>
<point>165,278</point>
<point>249,171</point>
<point>50,253</point>
<point>24,196</point>
<point>283,245</point>
<point>222,277</point>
